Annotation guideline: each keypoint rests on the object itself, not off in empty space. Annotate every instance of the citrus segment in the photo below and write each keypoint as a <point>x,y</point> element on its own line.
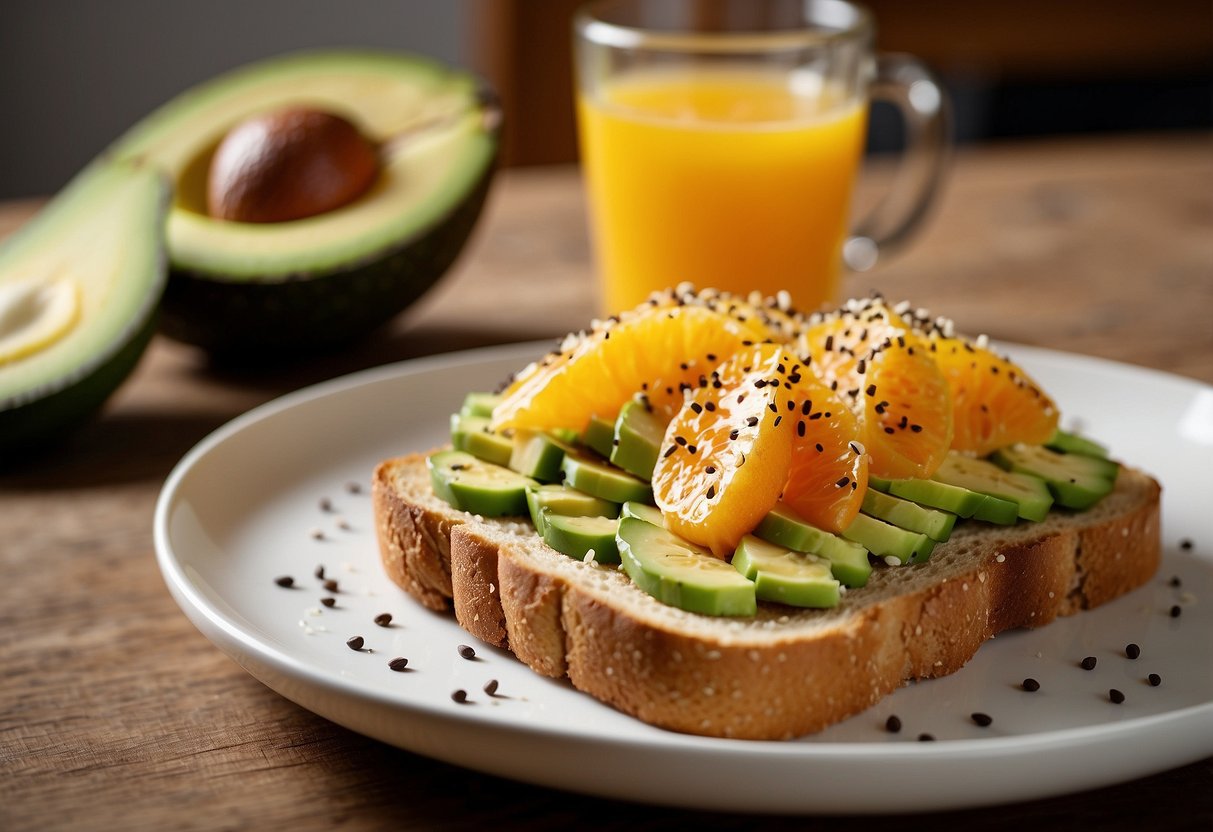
<point>726,454</point>
<point>660,351</point>
<point>869,355</point>
<point>828,476</point>
<point>994,402</point>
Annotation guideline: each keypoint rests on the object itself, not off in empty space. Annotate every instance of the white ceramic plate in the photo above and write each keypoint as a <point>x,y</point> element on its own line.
<point>242,508</point>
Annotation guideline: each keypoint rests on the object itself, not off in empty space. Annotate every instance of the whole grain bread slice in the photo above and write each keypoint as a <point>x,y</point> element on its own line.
<point>786,672</point>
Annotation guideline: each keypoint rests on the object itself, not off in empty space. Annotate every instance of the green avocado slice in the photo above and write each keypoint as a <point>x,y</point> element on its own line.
<point>79,285</point>
<point>244,287</point>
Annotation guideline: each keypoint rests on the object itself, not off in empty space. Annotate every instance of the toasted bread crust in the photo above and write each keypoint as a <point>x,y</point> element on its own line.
<point>780,681</point>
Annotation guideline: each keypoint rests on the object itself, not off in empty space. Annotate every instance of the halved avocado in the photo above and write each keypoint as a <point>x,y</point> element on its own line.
<point>246,288</point>
<point>79,285</point>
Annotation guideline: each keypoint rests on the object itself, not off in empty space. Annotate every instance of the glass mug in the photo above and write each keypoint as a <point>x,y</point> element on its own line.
<point>721,141</point>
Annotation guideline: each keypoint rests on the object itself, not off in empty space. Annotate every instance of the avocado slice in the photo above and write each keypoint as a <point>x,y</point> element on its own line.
<point>603,480</point>
<point>473,485</point>
<point>935,524</point>
<point>1076,480</point>
<point>637,439</point>
<point>252,289</point>
<point>79,286</point>
<point>1030,494</point>
<point>538,454</point>
<point>599,436</point>
<point>578,536</point>
<point>472,434</point>
<point>848,560</point>
<point>681,574</point>
<point>544,500</point>
<point>786,576</point>
<point>884,540</point>
<point>1071,443</point>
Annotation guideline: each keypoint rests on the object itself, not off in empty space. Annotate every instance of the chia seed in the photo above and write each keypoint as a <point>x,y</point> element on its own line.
<point>466,652</point>
<point>398,664</point>
<point>1031,685</point>
<point>1116,696</point>
<point>1132,651</point>
<point>1088,663</point>
<point>892,724</point>
<point>285,581</point>
<point>355,642</point>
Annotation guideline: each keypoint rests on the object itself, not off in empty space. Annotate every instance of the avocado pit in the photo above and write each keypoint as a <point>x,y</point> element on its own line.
<point>289,164</point>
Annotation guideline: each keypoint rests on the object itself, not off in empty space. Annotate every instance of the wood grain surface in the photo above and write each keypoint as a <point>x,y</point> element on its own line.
<point>116,714</point>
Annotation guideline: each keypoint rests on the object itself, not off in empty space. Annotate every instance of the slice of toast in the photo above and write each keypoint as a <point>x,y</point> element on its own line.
<point>786,672</point>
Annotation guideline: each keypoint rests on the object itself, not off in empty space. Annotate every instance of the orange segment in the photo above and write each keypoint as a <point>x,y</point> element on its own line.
<point>994,402</point>
<point>829,471</point>
<point>726,454</point>
<point>868,354</point>
<point>658,350</point>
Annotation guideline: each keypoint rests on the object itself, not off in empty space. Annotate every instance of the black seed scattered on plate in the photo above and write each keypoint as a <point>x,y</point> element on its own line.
<point>1132,651</point>
<point>398,664</point>
<point>384,619</point>
<point>1154,679</point>
<point>328,602</point>
<point>355,642</point>
<point>319,573</point>
<point>317,534</point>
<point>1176,611</point>
<point>1116,696</point>
<point>1088,663</point>
<point>330,585</point>
<point>285,581</point>
<point>1185,544</point>
<point>326,504</point>
<point>892,724</point>
<point>466,652</point>
<point>1175,581</point>
<point>490,687</point>
<point>353,488</point>
<point>459,695</point>
<point>981,719</point>
<point>1031,685</point>
<point>926,738</point>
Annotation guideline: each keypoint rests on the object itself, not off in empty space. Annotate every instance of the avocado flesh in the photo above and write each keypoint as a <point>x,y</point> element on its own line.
<point>247,287</point>
<point>100,242</point>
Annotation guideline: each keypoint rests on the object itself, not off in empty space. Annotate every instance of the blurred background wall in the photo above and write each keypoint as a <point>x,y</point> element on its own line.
<point>75,73</point>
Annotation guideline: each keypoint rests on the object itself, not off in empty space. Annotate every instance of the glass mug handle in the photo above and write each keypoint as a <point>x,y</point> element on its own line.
<point>907,84</point>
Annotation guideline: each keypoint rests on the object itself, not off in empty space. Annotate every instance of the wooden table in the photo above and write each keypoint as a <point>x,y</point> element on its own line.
<point>116,714</point>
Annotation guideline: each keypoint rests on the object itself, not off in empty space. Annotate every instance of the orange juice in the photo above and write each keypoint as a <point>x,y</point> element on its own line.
<point>731,179</point>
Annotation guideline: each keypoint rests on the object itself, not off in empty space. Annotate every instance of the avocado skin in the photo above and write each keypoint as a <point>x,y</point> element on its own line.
<point>300,314</point>
<point>28,429</point>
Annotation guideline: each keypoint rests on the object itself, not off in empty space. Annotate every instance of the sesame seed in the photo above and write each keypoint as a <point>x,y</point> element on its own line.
<point>711,491</point>
<point>800,428</point>
<point>697,407</point>
<point>355,642</point>
<point>1031,685</point>
<point>328,602</point>
<point>1176,611</point>
<point>711,469</point>
<point>871,391</point>
<point>842,481</point>
<point>1175,581</point>
<point>733,434</point>
<point>490,687</point>
<point>326,504</point>
<point>926,738</point>
<point>1155,680</point>
<point>983,720</point>
<point>459,695</point>
<point>353,488</point>
<point>819,447</point>
<point>752,421</point>
<point>1116,696</point>
<point>1185,544</point>
<point>892,724</point>
<point>1088,663</point>
<point>669,451</point>
<point>1132,651</point>
<point>319,573</point>
<point>466,652</point>
<point>710,406</point>
<point>384,619</point>
<point>691,449</point>
<point>778,419</point>
<point>398,664</point>
<point>330,585</point>
<point>680,440</point>
<point>285,581</point>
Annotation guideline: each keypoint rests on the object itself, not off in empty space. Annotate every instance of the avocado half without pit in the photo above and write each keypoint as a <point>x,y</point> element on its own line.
<point>79,286</point>
<point>316,195</point>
